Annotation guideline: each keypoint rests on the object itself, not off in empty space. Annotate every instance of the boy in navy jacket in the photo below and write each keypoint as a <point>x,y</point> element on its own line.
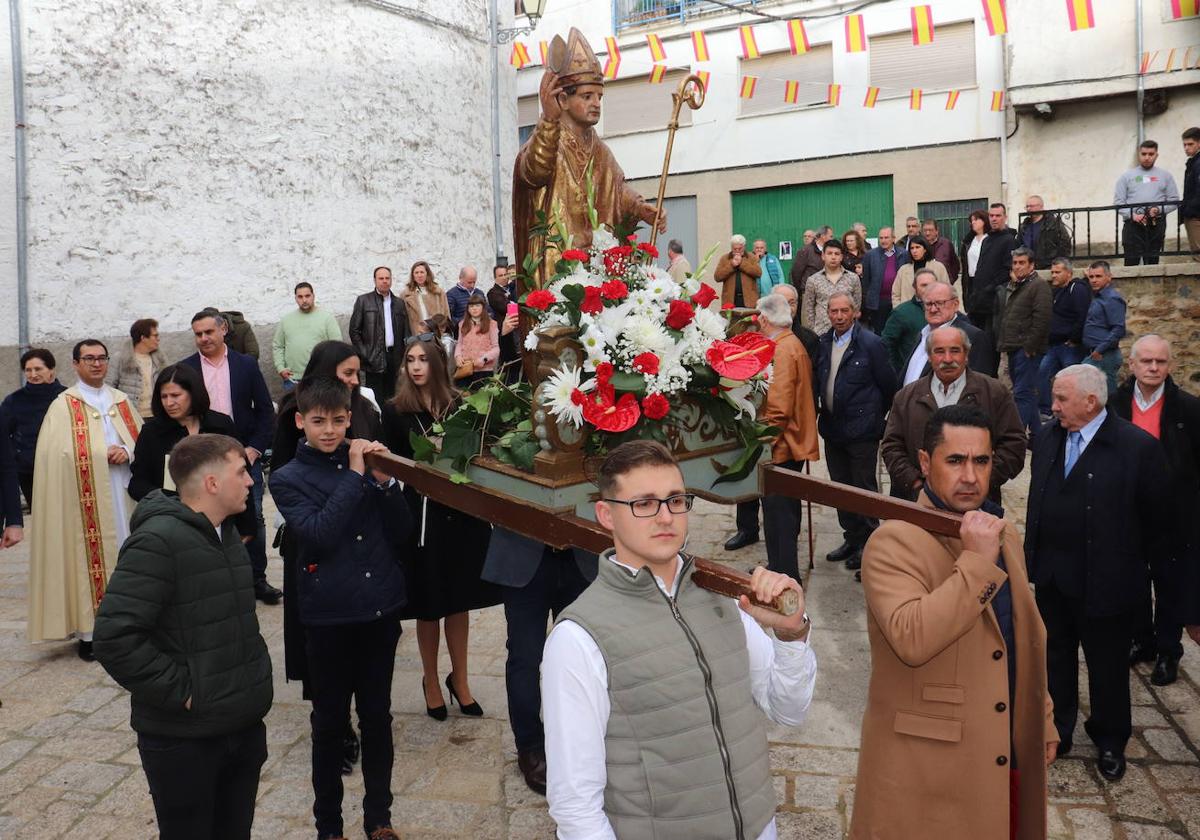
<point>351,525</point>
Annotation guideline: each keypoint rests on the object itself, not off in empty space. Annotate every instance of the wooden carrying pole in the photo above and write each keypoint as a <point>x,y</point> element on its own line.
<point>694,98</point>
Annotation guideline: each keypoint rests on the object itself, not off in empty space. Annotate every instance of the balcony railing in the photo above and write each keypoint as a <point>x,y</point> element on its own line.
<point>1096,231</point>
<point>631,13</point>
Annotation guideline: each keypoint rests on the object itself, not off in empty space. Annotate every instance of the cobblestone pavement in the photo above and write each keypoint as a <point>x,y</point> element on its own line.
<point>69,767</point>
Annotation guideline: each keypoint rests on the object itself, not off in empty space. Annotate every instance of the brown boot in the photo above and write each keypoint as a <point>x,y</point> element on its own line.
<point>384,832</point>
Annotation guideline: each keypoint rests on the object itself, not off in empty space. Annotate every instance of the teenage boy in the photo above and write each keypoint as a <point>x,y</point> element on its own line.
<point>650,683</point>
<point>177,629</point>
<point>351,525</point>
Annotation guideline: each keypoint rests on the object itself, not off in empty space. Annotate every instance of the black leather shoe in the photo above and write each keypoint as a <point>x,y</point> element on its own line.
<point>532,764</point>
<point>267,593</point>
<point>1063,748</point>
<point>1112,765</point>
<point>472,709</point>
<point>1166,670</point>
<point>1141,653</point>
<point>85,651</point>
<point>843,552</point>
<point>740,540</point>
<point>435,712</point>
<point>854,561</point>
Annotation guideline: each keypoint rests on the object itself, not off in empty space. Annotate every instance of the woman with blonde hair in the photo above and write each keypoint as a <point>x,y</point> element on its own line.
<point>422,297</point>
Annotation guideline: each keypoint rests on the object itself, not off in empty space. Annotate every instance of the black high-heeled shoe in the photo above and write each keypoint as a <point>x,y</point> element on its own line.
<point>471,709</point>
<point>435,712</point>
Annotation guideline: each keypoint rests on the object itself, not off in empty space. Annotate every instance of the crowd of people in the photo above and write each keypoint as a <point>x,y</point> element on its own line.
<point>950,364</point>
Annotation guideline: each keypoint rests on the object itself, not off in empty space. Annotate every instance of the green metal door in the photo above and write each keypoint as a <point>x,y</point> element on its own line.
<point>782,214</point>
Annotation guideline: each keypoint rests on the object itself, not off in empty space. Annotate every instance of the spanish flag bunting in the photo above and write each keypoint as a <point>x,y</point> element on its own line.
<point>1184,9</point>
<point>657,72</point>
<point>856,35</point>
<point>797,37</point>
<point>1079,14</point>
<point>922,25</point>
<point>994,14</point>
<point>1148,60</point>
<point>611,66</point>
<point>700,46</point>
<point>657,53</point>
<point>869,99</point>
<point>914,99</point>
<point>791,92</point>
<point>543,48</point>
<point>748,85</point>
<point>519,56</point>
<point>614,51</point>
<point>1170,58</point>
<point>997,100</point>
<point>703,74</point>
<point>749,45</point>
<point>834,95</point>
<point>951,100</point>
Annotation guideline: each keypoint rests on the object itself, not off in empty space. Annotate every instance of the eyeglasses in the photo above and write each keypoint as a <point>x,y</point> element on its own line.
<point>938,304</point>
<point>93,360</point>
<point>645,508</point>
<point>413,339</point>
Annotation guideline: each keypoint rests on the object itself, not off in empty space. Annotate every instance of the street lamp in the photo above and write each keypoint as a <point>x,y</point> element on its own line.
<point>531,9</point>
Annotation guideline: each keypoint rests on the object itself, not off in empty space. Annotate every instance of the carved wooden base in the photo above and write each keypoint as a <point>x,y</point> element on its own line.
<point>561,467</point>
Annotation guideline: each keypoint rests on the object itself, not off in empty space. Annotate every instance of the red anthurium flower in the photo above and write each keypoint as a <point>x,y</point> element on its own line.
<point>539,300</point>
<point>655,406</point>
<point>577,396</point>
<point>704,296</point>
<point>725,306</point>
<point>679,314</point>
<point>592,305</point>
<point>614,290</point>
<point>608,416</point>
<point>646,363</point>
<point>575,254</point>
<point>742,356</point>
<point>647,248</point>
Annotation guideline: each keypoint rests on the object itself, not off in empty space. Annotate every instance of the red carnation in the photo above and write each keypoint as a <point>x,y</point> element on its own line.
<point>680,314</point>
<point>539,300</point>
<point>614,290</point>
<point>616,260</point>
<point>631,237</point>
<point>592,305</point>
<point>604,372</point>
<point>647,248</point>
<point>577,396</point>
<point>575,254</point>
<point>704,296</point>
<point>655,406</point>
<point>646,363</point>
<point>726,306</point>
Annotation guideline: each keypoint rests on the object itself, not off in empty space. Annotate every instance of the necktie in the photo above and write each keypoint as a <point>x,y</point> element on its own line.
<point>1074,441</point>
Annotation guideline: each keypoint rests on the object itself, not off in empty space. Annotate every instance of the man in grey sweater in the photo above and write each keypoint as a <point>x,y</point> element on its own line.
<point>1145,225</point>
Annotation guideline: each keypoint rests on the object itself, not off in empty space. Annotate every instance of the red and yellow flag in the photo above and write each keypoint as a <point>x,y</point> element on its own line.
<point>657,72</point>
<point>543,48</point>
<point>914,99</point>
<point>797,37</point>
<point>748,85</point>
<point>951,100</point>
<point>869,99</point>
<point>791,92</point>
<point>613,63</point>
<point>922,25</point>
<point>1080,15</point>
<point>856,34</point>
<point>519,56</point>
<point>1148,60</point>
<point>1170,59</point>
<point>749,45</point>
<point>657,53</point>
<point>997,100</point>
<point>996,17</point>
<point>700,46</point>
<point>703,74</point>
<point>834,95</point>
<point>1184,9</point>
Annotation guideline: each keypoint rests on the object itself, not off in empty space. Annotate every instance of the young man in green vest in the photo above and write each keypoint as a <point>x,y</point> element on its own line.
<point>650,684</point>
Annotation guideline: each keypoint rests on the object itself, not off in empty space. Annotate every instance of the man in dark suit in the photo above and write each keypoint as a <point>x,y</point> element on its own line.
<point>880,265</point>
<point>992,271</point>
<point>941,308</point>
<point>236,387</point>
<point>378,327</point>
<point>1152,401</point>
<point>856,384</point>
<point>1098,511</point>
<point>538,582</point>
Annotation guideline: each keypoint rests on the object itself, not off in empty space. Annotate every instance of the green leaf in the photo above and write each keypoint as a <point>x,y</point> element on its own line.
<point>573,292</point>
<point>523,451</point>
<point>479,400</point>
<point>459,477</point>
<point>703,377</point>
<point>634,383</point>
<point>423,448</point>
<point>742,466</point>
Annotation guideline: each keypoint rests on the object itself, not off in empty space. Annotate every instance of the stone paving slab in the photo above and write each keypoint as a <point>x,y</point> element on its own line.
<point>69,765</point>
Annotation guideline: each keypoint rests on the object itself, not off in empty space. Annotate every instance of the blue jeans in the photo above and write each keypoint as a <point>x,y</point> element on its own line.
<point>288,384</point>
<point>257,547</point>
<point>1110,363</point>
<point>1057,357</point>
<point>1023,369</point>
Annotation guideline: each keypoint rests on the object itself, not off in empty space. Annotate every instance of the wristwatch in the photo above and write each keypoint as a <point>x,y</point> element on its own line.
<point>800,635</point>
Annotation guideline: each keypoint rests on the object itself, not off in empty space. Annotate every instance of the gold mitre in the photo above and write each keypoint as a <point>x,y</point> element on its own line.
<point>573,61</point>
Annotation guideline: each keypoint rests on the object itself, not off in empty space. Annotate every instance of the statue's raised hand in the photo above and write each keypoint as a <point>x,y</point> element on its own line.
<point>548,94</point>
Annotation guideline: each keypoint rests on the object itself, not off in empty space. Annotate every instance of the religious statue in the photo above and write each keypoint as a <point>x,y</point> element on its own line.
<point>551,169</point>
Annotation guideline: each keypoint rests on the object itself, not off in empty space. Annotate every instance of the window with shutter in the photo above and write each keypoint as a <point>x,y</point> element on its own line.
<point>528,111</point>
<point>948,63</point>
<point>813,71</point>
<point>636,105</point>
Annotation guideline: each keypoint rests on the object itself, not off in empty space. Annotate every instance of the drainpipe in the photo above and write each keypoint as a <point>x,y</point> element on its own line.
<point>1141,78</point>
<point>493,52</point>
<point>18,71</point>
<point>1004,122</point>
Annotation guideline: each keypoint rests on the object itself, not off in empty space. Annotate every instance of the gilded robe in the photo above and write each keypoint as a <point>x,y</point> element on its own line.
<point>80,508</point>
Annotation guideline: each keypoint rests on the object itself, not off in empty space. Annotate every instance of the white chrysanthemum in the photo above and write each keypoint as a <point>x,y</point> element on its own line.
<point>641,302</point>
<point>710,324</point>
<point>644,335</point>
<point>531,341</point>
<point>593,338</point>
<point>662,287</point>
<point>557,390</point>
<point>612,319</point>
<point>603,240</point>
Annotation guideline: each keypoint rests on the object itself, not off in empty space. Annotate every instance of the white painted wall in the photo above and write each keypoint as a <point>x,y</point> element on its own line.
<point>8,199</point>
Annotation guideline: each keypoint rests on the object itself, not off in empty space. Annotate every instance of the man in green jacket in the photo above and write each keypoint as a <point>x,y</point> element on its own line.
<point>177,629</point>
<point>904,325</point>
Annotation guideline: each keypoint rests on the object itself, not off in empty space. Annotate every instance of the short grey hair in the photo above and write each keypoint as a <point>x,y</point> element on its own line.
<point>737,239</point>
<point>928,271</point>
<point>953,291</point>
<point>962,335</point>
<point>824,230</point>
<point>775,310</point>
<point>787,291</point>
<point>465,270</point>
<point>849,297</point>
<point>1133,351</point>
<point>1064,262</point>
<point>1089,379</point>
<point>1023,252</point>
<point>675,246</point>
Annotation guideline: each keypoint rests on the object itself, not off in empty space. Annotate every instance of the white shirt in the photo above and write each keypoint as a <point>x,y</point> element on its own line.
<point>918,360</point>
<point>576,706</point>
<point>101,399</point>
<point>945,395</point>
<point>389,338</point>
<point>1144,404</point>
<point>973,254</point>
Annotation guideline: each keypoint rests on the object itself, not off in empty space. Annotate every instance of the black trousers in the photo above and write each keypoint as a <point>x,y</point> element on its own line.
<point>747,516</point>
<point>1142,242</point>
<point>384,382</point>
<point>555,585</point>
<point>204,788</point>
<point>781,524</point>
<point>1105,642</point>
<point>1156,628</point>
<point>352,660</point>
<point>854,464</point>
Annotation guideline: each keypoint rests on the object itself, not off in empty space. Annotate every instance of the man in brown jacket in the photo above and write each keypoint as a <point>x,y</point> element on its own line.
<point>738,273</point>
<point>958,729</point>
<point>950,383</point>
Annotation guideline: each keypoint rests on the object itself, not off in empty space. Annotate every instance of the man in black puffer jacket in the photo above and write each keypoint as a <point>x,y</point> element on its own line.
<point>177,629</point>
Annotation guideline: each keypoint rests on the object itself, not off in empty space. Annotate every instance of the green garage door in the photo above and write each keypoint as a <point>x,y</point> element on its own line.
<point>782,214</point>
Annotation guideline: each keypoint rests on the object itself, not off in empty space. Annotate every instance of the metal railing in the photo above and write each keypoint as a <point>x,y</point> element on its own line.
<point>1096,232</point>
<point>630,13</point>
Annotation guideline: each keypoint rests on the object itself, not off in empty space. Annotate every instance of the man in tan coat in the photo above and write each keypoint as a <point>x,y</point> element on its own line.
<point>738,273</point>
<point>958,729</point>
